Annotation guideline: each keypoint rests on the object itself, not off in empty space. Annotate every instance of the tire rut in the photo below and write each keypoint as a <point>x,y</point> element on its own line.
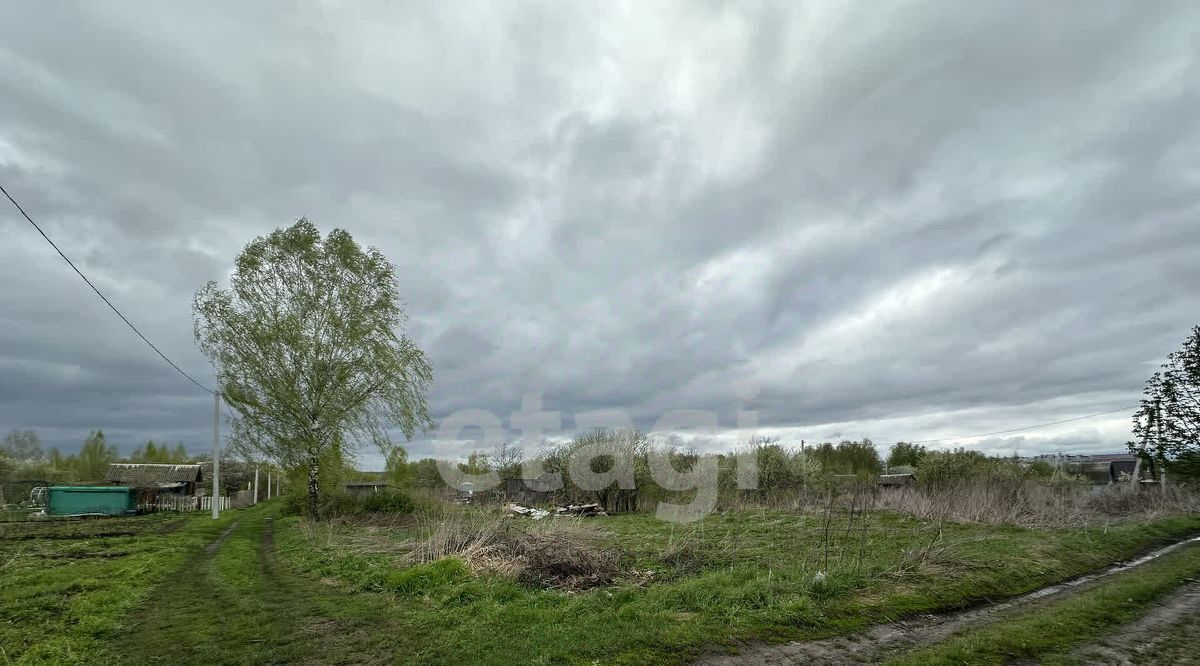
<point>1137,641</point>
<point>884,640</point>
<point>212,548</point>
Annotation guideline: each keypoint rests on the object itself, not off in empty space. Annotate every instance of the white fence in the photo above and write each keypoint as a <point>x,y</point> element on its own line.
<point>206,503</point>
<point>167,502</point>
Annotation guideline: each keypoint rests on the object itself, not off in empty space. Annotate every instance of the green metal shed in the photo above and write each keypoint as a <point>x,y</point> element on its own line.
<point>82,500</point>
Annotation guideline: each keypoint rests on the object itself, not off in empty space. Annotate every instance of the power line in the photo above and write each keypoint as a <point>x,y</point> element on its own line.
<point>102,296</point>
<point>1031,427</point>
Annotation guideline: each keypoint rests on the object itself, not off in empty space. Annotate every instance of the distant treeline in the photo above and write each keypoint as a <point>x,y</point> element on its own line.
<point>22,458</point>
<point>784,472</point>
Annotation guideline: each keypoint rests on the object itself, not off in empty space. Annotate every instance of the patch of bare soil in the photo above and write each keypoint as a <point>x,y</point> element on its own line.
<point>172,526</point>
<point>84,555</point>
<point>212,548</point>
<point>1169,633</point>
<point>884,640</point>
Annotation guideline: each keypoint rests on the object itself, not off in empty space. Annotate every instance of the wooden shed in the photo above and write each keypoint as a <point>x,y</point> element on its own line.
<point>532,490</point>
<point>163,478</point>
<point>896,480</point>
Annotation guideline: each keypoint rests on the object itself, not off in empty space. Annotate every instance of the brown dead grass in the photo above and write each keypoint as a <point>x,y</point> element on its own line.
<point>557,553</point>
<point>1028,504</point>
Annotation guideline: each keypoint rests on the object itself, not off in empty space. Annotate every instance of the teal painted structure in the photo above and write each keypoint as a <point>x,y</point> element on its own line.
<point>80,500</point>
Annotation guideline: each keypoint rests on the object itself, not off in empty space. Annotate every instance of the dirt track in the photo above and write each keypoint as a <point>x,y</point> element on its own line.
<point>1145,641</point>
<point>885,640</point>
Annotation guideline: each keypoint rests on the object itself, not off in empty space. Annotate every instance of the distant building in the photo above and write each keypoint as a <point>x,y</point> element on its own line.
<point>1110,468</point>
<point>532,490</point>
<point>364,488</point>
<point>896,480</point>
<point>178,479</point>
<point>1100,469</point>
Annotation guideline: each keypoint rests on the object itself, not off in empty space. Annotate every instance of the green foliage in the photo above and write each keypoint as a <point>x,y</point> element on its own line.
<point>858,458</point>
<point>782,470</point>
<point>1167,424</point>
<point>335,503</point>
<point>1041,469</point>
<point>941,470</point>
<point>424,473</point>
<point>390,501</point>
<point>903,453</point>
<point>95,457</point>
<point>423,578</point>
<point>159,453</point>
<point>397,471</point>
<point>946,470</point>
<point>307,352</point>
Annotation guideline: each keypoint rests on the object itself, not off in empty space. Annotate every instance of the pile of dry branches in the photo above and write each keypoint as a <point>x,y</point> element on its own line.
<point>558,553</point>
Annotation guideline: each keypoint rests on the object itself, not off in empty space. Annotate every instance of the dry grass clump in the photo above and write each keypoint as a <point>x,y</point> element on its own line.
<point>1032,504</point>
<point>558,553</point>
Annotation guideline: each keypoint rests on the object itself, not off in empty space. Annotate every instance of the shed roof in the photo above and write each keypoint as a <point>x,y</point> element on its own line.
<point>1111,457</point>
<point>149,475</point>
<point>545,482</point>
<point>896,479</point>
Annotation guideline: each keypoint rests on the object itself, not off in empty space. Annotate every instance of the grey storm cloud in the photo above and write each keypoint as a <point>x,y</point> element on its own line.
<point>903,221</point>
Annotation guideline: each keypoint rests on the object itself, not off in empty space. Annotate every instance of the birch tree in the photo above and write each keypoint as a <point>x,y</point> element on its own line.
<point>308,347</point>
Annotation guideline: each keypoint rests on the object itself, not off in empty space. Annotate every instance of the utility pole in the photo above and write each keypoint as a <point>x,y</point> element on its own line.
<point>1162,454</point>
<point>216,495</point>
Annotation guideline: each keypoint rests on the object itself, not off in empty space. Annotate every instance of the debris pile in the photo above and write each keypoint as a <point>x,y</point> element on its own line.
<point>592,509</point>
<point>536,514</point>
<point>558,554</point>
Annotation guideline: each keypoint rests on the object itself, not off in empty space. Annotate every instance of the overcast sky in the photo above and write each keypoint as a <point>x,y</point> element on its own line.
<point>906,220</point>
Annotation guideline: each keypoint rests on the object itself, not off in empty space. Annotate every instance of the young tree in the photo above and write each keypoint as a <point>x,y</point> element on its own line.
<point>903,453</point>
<point>95,457</point>
<point>22,445</point>
<point>1167,425</point>
<point>307,349</point>
<point>397,471</point>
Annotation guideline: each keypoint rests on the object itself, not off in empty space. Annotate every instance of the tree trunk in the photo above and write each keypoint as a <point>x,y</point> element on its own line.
<point>314,488</point>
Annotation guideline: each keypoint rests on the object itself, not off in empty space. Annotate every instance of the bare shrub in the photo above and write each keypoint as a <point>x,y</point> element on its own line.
<point>557,553</point>
<point>1036,503</point>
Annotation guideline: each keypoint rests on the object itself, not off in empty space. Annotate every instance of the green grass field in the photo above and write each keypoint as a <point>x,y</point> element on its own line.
<point>748,576</point>
<point>147,590</point>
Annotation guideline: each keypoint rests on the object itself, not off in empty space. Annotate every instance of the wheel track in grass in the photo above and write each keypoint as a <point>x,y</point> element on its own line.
<point>884,640</point>
<point>234,602</point>
<point>1168,633</point>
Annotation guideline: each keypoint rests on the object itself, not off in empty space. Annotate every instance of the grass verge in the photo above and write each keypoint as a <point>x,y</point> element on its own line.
<point>1049,632</point>
<point>66,587</point>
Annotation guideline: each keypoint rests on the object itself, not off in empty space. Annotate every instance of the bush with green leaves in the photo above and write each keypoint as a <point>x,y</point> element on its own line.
<point>391,501</point>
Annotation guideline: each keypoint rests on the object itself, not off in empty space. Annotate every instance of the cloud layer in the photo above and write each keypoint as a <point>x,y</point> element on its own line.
<point>905,222</point>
